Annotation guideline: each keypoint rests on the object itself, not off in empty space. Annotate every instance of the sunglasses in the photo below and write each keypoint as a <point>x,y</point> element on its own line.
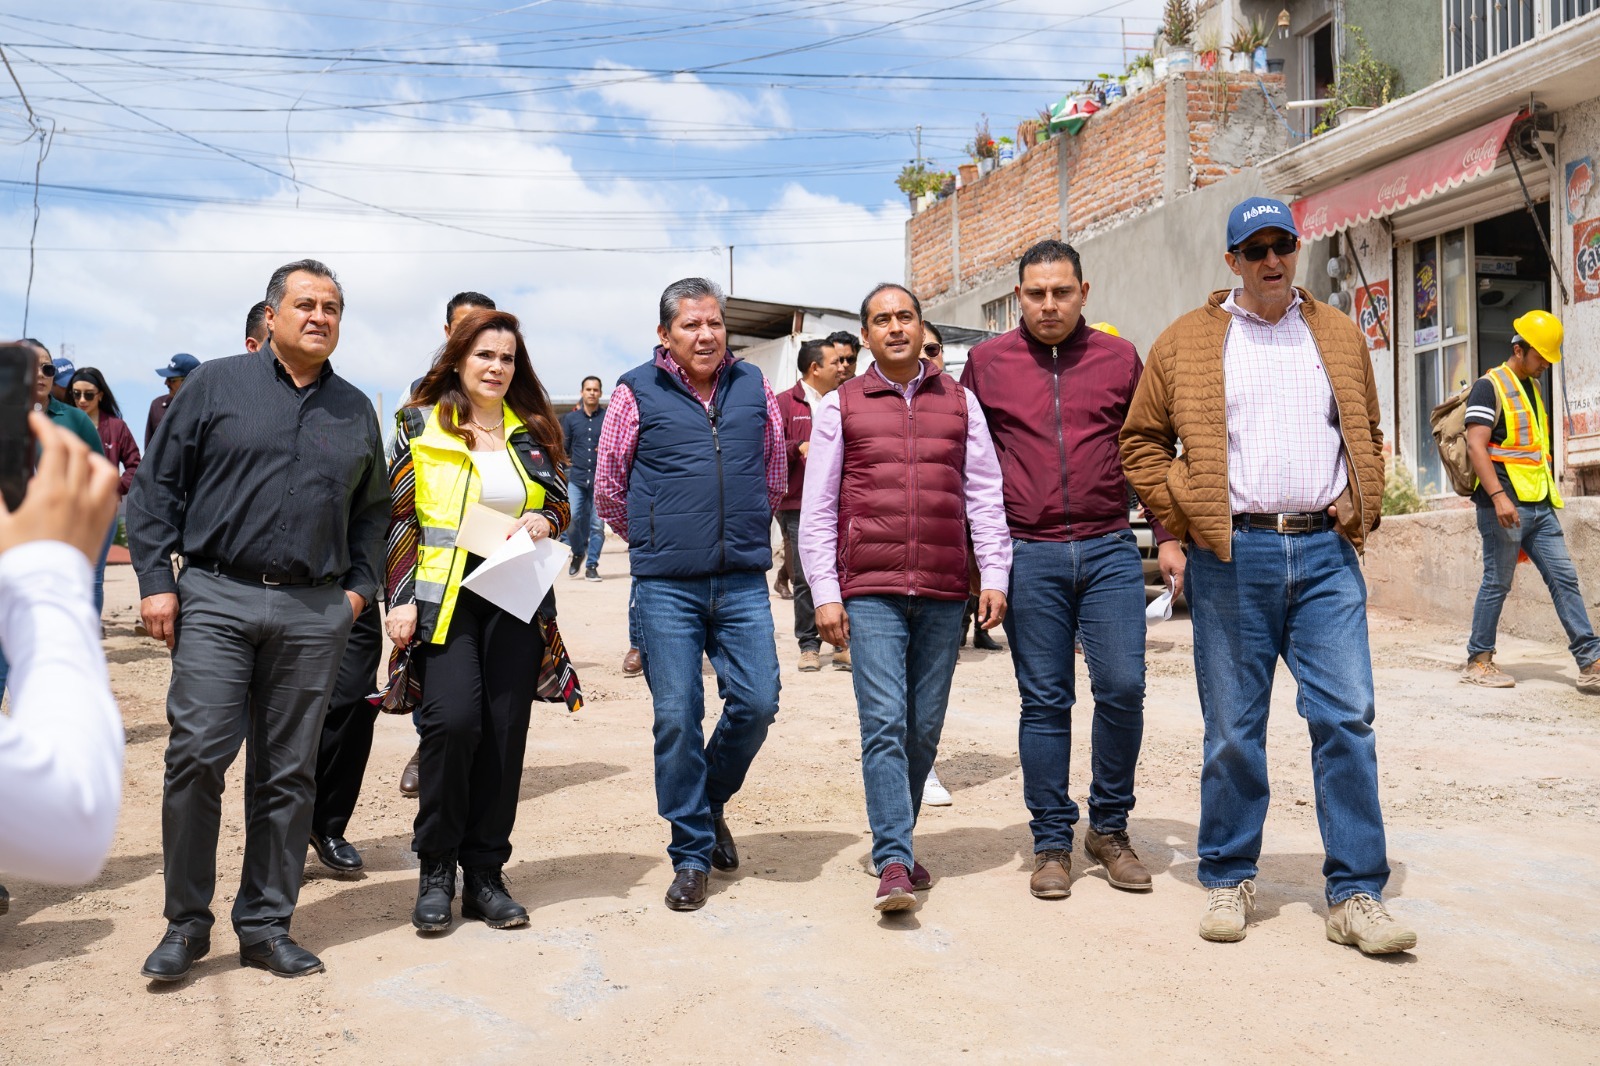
<point>47,368</point>
<point>932,349</point>
<point>85,394</point>
<point>849,360</point>
<point>1283,246</point>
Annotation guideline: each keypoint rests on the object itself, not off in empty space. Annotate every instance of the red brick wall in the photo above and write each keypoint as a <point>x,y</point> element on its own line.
<point>1116,169</point>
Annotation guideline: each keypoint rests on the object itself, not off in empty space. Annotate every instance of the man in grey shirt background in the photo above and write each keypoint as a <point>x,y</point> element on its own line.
<point>266,476</point>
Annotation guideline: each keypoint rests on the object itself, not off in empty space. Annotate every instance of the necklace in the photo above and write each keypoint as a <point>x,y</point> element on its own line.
<point>488,429</point>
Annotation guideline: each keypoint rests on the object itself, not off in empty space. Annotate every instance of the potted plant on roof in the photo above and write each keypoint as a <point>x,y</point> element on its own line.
<point>913,181</point>
<point>1241,47</point>
<point>1141,73</point>
<point>1208,51</point>
<point>982,148</point>
<point>1363,83</point>
<point>1177,30</point>
<point>1258,55</point>
<point>1042,134</point>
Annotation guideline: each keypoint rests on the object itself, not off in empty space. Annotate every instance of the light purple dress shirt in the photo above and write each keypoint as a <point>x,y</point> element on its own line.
<point>819,506</point>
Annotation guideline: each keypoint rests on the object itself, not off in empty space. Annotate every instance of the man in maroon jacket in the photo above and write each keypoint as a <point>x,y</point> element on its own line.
<point>819,375</point>
<point>1055,392</point>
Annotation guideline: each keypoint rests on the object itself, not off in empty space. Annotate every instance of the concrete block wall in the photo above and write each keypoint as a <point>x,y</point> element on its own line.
<point>1430,565</point>
<point>1174,138</point>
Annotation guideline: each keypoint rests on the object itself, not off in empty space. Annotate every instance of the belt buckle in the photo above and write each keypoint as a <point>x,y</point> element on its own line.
<point>1281,528</point>
<point>265,580</point>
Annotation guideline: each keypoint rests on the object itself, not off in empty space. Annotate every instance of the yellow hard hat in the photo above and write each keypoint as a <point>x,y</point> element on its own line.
<point>1543,331</point>
<point>1106,327</point>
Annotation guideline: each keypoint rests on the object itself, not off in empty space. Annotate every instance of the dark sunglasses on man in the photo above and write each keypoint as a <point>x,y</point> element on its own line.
<point>932,349</point>
<point>47,370</point>
<point>1283,246</point>
<point>848,360</point>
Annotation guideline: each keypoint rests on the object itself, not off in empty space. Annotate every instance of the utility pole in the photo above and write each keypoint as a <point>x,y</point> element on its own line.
<point>730,270</point>
<point>919,146</point>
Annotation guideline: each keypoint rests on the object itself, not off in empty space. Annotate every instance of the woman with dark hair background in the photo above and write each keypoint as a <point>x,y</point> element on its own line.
<point>89,392</point>
<point>479,430</point>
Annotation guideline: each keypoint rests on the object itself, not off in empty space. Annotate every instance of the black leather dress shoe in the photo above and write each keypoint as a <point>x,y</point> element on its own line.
<point>724,853</point>
<point>982,640</point>
<point>688,891</point>
<point>336,853</point>
<point>280,955</point>
<point>175,956</point>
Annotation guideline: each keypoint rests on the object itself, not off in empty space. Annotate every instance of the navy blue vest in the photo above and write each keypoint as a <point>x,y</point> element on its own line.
<point>697,494</point>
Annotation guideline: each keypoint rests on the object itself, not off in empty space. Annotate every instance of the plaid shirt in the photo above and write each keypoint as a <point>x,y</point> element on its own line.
<point>1285,452</point>
<point>620,436</point>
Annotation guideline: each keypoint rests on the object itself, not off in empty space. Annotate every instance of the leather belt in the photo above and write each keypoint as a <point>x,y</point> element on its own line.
<point>254,577</point>
<point>1296,522</point>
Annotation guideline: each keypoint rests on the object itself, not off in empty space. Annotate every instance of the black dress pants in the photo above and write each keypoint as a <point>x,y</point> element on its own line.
<point>477,693</point>
<point>347,729</point>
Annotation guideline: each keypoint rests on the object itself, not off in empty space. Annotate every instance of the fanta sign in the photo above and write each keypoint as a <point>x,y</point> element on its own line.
<point>1372,313</point>
<point>1586,260</point>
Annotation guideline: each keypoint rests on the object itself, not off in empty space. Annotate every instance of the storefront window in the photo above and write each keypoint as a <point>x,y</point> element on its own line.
<point>1442,339</point>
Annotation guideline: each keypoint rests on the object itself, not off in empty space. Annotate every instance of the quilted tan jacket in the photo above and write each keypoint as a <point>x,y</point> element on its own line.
<point>1180,398</point>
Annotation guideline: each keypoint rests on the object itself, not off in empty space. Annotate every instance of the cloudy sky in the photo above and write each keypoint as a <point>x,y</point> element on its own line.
<point>568,158</point>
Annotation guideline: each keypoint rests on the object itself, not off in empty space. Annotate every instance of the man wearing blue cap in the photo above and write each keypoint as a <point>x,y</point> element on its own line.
<point>1281,479</point>
<point>178,367</point>
<point>65,368</point>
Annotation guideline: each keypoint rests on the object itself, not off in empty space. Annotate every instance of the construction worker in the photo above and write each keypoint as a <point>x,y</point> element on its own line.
<point>1508,441</point>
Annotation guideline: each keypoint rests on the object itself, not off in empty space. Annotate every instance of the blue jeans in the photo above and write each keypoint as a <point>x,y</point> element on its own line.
<point>1300,596</point>
<point>584,527</point>
<point>729,618</point>
<point>1090,591</point>
<point>904,651</point>
<point>100,571</point>
<point>1540,536</point>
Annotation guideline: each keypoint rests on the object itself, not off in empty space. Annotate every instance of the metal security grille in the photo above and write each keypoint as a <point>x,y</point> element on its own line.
<point>1475,30</point>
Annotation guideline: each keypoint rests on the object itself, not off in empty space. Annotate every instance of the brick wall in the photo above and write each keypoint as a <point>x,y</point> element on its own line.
<point>1116,168</point>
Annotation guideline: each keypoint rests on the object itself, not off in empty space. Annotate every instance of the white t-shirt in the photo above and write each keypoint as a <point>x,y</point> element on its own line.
<point>503,488</point>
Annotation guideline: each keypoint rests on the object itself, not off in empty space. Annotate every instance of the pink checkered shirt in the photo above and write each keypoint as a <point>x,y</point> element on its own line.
<point>619,436</point>
<point>1285,452</point>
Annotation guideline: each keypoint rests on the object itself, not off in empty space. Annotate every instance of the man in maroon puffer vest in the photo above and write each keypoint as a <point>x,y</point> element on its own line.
<point>900,466</point>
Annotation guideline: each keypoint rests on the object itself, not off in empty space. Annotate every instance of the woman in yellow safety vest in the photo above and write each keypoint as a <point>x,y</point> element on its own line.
<point>479,432</point>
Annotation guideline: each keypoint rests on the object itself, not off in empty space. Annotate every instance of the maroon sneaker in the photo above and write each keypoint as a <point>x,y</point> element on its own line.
<point>921,879</point>
<point>895,889</point>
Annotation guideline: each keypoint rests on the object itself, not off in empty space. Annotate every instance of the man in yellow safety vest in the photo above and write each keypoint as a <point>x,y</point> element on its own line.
<point>1508,441</point>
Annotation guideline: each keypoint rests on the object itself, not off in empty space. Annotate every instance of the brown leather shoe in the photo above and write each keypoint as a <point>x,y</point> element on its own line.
<point>632,663</point>
<point>1052,874</point>
<point>1123,868</point>
<point>411,776</point>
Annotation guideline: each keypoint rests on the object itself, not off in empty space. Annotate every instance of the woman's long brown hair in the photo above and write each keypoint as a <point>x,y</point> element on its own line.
<point>525,395</point>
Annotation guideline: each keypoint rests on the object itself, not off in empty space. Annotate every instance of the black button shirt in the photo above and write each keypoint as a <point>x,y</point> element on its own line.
<point>256,473</point>
<point>582,433</point>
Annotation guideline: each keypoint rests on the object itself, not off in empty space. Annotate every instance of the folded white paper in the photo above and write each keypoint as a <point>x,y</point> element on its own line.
<point>1160,609</point>
<point>516,576</point>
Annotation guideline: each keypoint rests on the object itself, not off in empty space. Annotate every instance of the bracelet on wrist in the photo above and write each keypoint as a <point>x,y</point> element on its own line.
<point>1497,492</point>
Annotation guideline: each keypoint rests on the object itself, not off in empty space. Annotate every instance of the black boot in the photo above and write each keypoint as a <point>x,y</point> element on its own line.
<point>967,619</point>
<point>982,640</point>
<point>436,887</point>
<point>484,897</point>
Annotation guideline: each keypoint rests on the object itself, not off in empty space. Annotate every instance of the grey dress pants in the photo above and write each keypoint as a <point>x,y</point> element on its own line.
<point>251,661</point>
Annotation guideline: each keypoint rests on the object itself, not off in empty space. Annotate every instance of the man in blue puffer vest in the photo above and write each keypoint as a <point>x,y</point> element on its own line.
<point>691,465</point>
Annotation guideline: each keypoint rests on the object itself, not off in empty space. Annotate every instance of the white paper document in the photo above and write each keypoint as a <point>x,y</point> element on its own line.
<point>517,575</point>
<point>1160,609</point>
<point>484,530</point>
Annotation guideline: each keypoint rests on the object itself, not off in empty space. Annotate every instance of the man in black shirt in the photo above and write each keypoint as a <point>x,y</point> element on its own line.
<point>266,476</point>
<point>581,428</point>
<point>1508,441</point>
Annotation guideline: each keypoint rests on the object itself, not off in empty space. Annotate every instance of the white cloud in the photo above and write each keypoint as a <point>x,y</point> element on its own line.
<point>688,108</point>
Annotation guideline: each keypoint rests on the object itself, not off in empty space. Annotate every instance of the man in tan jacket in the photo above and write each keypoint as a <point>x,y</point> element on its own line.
<point>1280,480</point>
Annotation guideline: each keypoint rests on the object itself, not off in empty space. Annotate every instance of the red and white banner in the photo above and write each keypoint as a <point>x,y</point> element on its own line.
<point>1403,183</point>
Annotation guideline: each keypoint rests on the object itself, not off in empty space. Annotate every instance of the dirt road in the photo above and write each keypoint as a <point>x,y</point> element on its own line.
<point>1492,800</point>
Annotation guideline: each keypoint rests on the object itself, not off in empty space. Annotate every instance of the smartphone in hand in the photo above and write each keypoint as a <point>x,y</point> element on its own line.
<point>19,368</point>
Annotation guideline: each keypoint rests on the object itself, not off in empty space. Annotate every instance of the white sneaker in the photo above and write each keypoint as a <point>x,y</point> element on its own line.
<point>933,793</point>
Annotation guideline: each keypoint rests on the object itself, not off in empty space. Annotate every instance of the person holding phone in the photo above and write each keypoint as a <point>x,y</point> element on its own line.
<point>266,476</point>
<point>479,431</point>
<point>61,745</point>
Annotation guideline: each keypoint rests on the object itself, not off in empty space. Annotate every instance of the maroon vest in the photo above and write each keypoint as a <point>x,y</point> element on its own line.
<point>902,507</point>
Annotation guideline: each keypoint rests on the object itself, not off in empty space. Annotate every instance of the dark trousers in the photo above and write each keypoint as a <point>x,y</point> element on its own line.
<point>805,615</point>
<point>477,693</point>
<point>253,662</point>
<point>347,729</point>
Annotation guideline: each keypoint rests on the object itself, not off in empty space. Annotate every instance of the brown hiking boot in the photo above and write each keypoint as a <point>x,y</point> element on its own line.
<point>1589,678</point>
<point>1363,922</point>
<point>810,662</point>
<point>1052,874</point>
<point>1123,868</point>
<point>1481,670</point>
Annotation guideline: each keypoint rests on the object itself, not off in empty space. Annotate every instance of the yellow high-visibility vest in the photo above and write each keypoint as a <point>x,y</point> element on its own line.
<point>1525,451</point>
<point>446,483</point>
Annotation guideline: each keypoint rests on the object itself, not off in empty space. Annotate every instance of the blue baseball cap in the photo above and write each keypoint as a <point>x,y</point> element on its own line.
<point>1258,213</point>
<point>179,366</point>
<point>64,372</point>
